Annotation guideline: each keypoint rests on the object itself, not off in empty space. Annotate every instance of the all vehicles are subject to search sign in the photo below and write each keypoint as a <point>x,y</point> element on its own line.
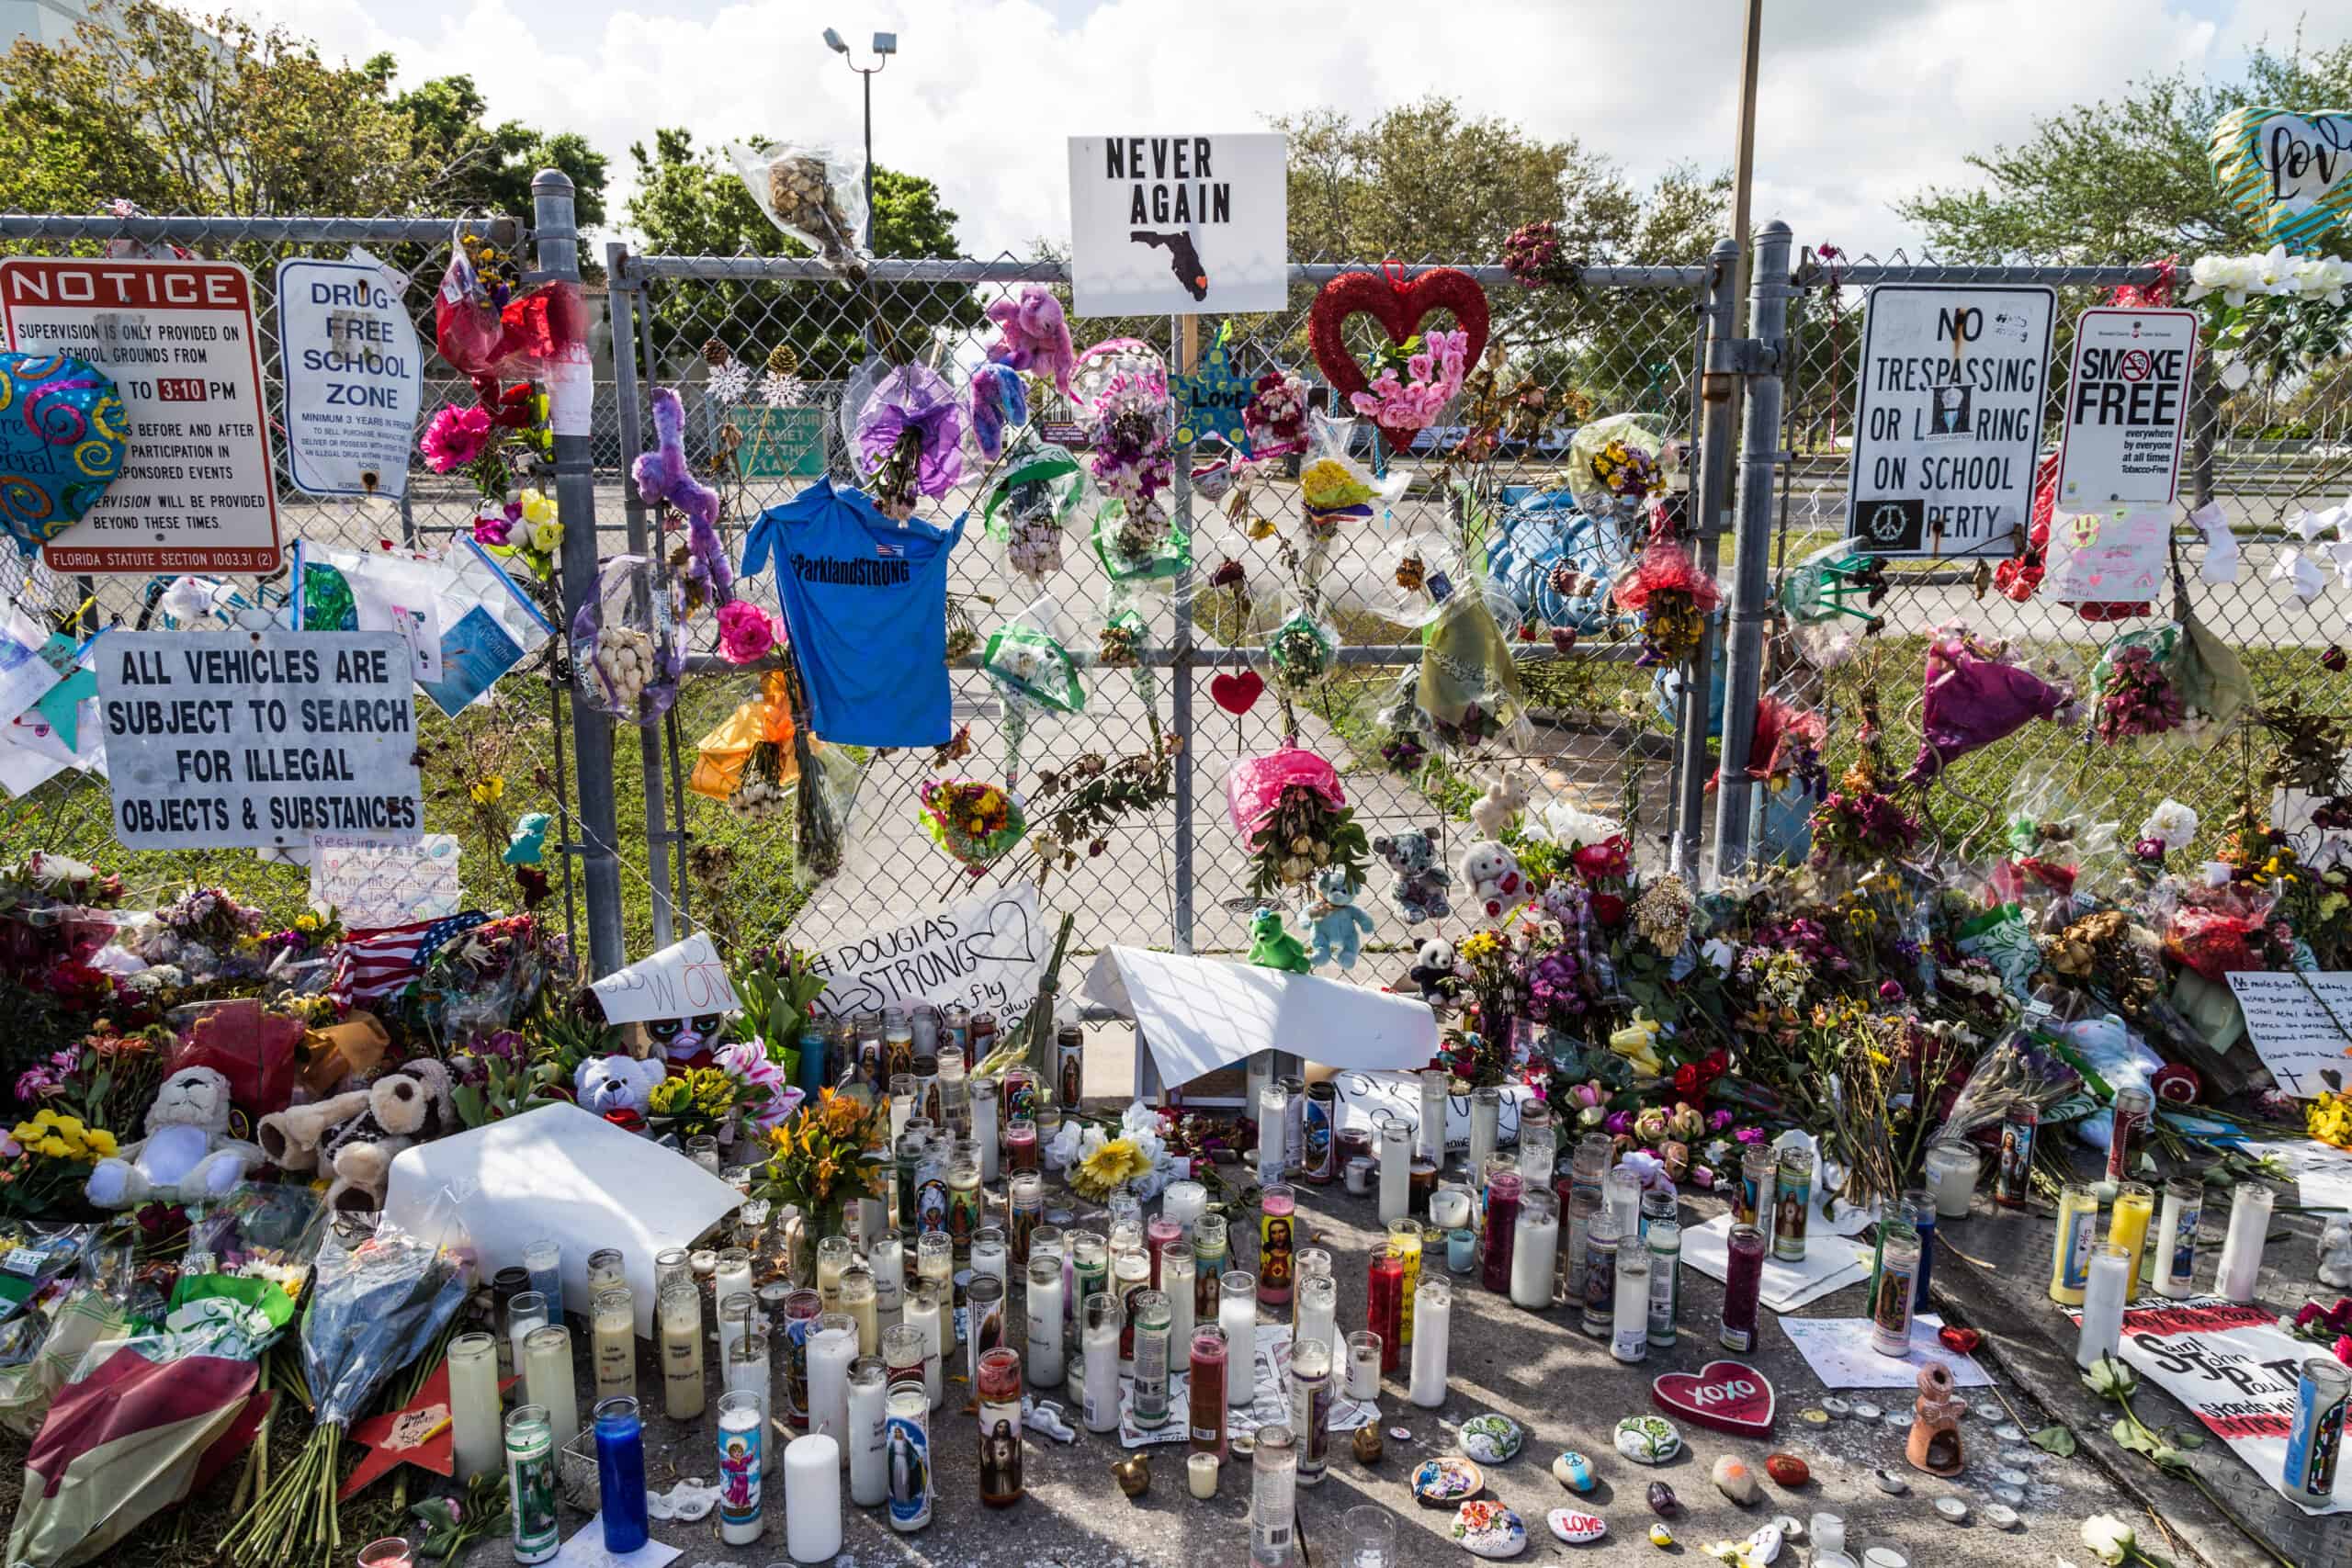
<point>2127,408</point>
<point>1948,418</point>
<point>178,338</point>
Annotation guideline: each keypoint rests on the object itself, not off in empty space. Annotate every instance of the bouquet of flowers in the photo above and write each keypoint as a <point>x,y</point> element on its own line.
<point>1123,386</point>
<point>1535,258</point>
<point>1673,598</point>
<point>1854,827</point>
<point>2133,689</point>
<point>44,1162</point>
<point>1300,652</point>
<point>910,438</point>
<point>830,1151</point>
<point>1275,416</point>
<point>522,528</point>
<point>1433,369</point>
<point>1294,821</point>
<point>974,821</point>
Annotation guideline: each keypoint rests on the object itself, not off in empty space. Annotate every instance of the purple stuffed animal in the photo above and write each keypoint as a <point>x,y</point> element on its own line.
<point>663,478</point>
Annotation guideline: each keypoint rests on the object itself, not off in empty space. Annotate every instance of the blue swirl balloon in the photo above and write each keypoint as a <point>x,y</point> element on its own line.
<point>62,443</point>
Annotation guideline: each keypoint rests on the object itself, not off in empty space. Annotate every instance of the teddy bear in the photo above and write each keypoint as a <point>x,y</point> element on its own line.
<point>1494,811</point>
<point>412,1105</point>
<point>1419,892</point>
<point>1272,945</point>
<point>186,1157</point>
<point>619,1088</point>
<point>1432,971</point>
<point>1491,874</point>
<point>1339,927</point>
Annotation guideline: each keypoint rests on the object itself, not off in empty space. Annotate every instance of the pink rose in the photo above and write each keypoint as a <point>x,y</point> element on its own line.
<point>746,632</point>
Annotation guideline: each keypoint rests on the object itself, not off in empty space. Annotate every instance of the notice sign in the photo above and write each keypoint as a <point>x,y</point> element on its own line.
<point>258,741</point>
<point>2127,408</point>
<point>353,375</point>
<point>1948,418</point>
<point>178,338</point>
<point>1179,225</point>
<point>2301,1026</point>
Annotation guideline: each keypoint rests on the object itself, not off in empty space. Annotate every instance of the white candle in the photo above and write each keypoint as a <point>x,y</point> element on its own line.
<point>889,1261</point>
<point>1318,1316</point>
<point>1179,1276</point>
<point>831,1350</point>
<point>1486,1125</point>
<point>983,1133</point>
<point>2103,1297</point>
<point>2242,1248</point>
<point>734,1277</point>
<point>1951,1175</point>
<point>925,1314</point>
<point>1184,1201</point>
<point>1432,1316</point>
<point>1102,1403</point>
<point>681,1394</point>
<point>1622,1190</point>
<point>1273,1114</point>
<point>868,1481</point>
<point>527,1311</point>
<point>1236,1314</point>
<point>1395,1169</point>
<point>1045,1366</point>
<point>547,1380</point>
<point>1130,1272</point>
<point>989,1256</point>
<point>477,1446</point>
<point>812,1499</point>
<point>2175,1267</point>
<point>1535,1251</point>
<point>613,1325</point>
<point>743,1433</point>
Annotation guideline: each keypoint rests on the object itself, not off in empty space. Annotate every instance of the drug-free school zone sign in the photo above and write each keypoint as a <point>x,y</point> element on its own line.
<point>260,740</point>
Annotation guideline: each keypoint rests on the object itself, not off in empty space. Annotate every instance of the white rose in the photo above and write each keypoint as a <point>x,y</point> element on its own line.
<point>2108,1538</point>
<point>2174,823</point>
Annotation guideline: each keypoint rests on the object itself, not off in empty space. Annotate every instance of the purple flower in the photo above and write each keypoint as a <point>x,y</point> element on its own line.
<point>915,398</point>
<point>1718,1119</point>
<point>1749,1134</point>
<point>1890,990</point>
<point>1620,1124</point>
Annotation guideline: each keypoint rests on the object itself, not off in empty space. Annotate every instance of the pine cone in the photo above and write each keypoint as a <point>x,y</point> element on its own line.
<point>716,354</point>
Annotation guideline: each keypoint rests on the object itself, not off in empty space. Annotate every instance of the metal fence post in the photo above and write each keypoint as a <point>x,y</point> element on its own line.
<point>598,827</point>
<point>1711,502</point>
<point>1751,564</point>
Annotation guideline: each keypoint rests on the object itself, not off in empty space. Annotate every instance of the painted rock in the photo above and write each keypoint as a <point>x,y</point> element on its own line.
<point>1575,1527</point>
<point>1573,1470</point>
<point>1491,1439</point>
<point>1442,1481</point>
<point>1648,1440</point>
<point>1787,1469</point>
<point>1953,1509</point>
<point>1764,1544</point>
<point>1661,1537</point>
<point>1735,1481</point>
<point>1661,1498</point>
<point>1490,1529</point>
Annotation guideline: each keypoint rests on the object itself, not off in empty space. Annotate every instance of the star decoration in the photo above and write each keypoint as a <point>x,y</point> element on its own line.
<point>61,706</point>
<point>419,1434</point>
<point>1209,400</point>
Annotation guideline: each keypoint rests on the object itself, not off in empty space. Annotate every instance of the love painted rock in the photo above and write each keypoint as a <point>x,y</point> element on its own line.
<point>1576,1527</point>
<point>1764,1544</point>
<point>1729,1396</point>
<point>1735,1481</point>
<point>1647,1440</point>
<point>1787,1469</point>
<point>1573,1470</point>
<point>1490,1529</point>
<point>1492,1438</point>
<point>1962,1341</point>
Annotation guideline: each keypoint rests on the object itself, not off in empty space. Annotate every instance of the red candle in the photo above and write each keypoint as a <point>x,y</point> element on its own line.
<point>1208,1390</point>
<point>1742,1282</point>
<point>1158,1236</point>
<point>1502,1220</point>
<point>1021,1144</point>
<point>1385,1311</point>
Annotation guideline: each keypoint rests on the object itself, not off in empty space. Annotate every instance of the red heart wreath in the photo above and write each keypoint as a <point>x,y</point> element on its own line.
<point>1397,303</point>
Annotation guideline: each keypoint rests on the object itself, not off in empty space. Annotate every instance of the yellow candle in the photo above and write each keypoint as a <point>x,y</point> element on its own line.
<point>2070,1267</point>
<point>1405,1242</point>
<point>2127,1227</point>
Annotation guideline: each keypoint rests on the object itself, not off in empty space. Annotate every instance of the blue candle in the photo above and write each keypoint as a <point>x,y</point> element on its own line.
<point>1923,1215</point>
<point>1461,1246</point>
<point>812,1062</point>
<point>620,1475</point>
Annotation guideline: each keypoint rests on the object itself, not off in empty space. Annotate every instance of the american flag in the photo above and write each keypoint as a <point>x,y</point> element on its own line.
<point>372,964</point>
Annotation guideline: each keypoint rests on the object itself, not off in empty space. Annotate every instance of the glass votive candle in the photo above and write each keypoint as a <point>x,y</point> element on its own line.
<point>1951,1169</point>
<point>1199,1474</point>
<point>1359,1176</point>
<point>1460,1250</point>
<point>1364,1365</point>
<point>392,1552</point>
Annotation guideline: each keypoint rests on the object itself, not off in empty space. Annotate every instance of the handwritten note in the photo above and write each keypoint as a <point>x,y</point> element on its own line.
<point>371,884</point>
<point>2118,553</point>
<point>683,980</point>
<point>2301,1025</point>
<point>988,951</point>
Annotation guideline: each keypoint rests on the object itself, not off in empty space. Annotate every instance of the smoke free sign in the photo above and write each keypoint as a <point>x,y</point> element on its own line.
<point>2127,408</point>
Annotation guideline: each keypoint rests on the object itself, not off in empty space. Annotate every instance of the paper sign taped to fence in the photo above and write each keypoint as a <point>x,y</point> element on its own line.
<point>2127,409</point>
<point>987,951</point>
<point>178,338</point>
<point>683,980</point>
<point>372,883</point>
<point>2118,553</point>
<point>1179,225</point>
<point>353,377</point>
<point>1196,1015</point>
<point>259,739</point>
<point>2235,1369</point>
<point>1948,418</point>
<point>2301,1025</point>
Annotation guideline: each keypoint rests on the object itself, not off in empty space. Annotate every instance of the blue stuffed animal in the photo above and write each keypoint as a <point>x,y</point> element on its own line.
<point>1339,927</point>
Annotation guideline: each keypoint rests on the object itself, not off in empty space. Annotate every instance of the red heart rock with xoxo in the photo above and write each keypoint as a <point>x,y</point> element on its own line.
<point>1729,1396</point>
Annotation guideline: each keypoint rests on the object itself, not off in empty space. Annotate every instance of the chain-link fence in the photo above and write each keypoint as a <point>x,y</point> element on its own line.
<point>762,350</point>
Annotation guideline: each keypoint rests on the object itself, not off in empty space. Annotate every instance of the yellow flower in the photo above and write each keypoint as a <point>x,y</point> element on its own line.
<point>538,508</point>
<point>101,1143</point>
<point>489,792</point>
<point>70,1126</point>
<point>26,1131</point>
<point>54,1148</point>
<point>306,922</point>
<point>548,538</point>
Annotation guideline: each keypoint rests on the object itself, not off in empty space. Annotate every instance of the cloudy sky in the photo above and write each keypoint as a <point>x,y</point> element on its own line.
<point>1860,104</point>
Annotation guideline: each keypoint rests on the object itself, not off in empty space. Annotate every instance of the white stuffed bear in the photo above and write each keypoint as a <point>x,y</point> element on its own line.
<point>619,1089</point>
<point>186,1157</point>
<point>1493,811</point>
<point>1491,874</point>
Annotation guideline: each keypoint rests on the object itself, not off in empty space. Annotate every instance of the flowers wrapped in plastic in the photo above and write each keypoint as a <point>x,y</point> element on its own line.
<point>2132,694</point>
<point>1029,501</point>
<point>748,760</point>
<point>1972,696</point>
<point>1672,596</point>
<point>910,439</point>
<point>623,650</point>
<point>1301,651</point>
<point>1333,488</point>
<point>1120,388</point>
<point>1616,464</point>
<point>1275,416</point>
<point>976,821</point>
<point>491,327</point>
<point>1033,672</point>
<point>1138,548</point>
<point>1468,686</point>
<point>1294,819</point>
<point>811,192</point>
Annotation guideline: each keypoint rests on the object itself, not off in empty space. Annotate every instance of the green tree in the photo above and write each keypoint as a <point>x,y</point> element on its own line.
<point>490,167</point>
<point>689,202</point>
<point>2129,180</point>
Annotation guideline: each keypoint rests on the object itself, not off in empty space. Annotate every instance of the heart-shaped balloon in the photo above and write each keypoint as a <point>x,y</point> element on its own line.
<point>63,437</point>
<point>1730,1396</point>
<point>1397,303</point>
<point>2290,173</point>
<point>1237,694</point>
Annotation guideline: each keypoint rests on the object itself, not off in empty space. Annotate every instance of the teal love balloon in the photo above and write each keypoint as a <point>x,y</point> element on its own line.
<point>63,438</point>
<point>2290,173</point>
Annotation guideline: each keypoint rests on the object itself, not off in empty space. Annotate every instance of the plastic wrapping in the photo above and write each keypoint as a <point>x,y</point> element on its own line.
<point>1417,573</point>
<point>2056,843</point>
<point>1033,672</point>
<point>1300,651</point>
<point>1674,598</point>
<point>1030,501</point>
<point>811,192</point>
<point>491,329</point>
<point>748,759</point>
<point>2133,694</point>
<point>976,821</point>
<point>624,648</point>
<point>1254,787</point>
<point>910,439</point>
<point>1468,685</point>
<point>1120,388</point>
<point>1333,488</point>
<point>376,1304</point>
<point>1556,563</point>
<point>1616,463</point>
<point>824,798</point>
<point>1973,696</point>
<point>484,979</point>
<point>1137,552</point>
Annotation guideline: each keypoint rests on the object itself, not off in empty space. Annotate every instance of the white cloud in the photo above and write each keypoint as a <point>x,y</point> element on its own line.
<point>1860,105</point>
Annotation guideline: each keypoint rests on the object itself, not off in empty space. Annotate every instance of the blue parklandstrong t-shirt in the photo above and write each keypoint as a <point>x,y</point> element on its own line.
<point>865,601</point>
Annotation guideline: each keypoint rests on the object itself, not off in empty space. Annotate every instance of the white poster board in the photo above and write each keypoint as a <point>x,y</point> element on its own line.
<point>1196,1015</point>
<point>353,377</point>
<point>1838,1350</point>
<point>986,951</point>
<point>2118,553</point>
<point>260,740</point>
<point>1363,1099</point>
<point>372,883</point>
<point>683,980</point>
<point>178,338</point>
<point>2127,409</point>
<point>1948,418</point>
<point>1179,225</point>
<point>2300,1024</point>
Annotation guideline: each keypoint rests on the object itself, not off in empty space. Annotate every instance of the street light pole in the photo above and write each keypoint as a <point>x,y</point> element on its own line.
<point>885,45</point>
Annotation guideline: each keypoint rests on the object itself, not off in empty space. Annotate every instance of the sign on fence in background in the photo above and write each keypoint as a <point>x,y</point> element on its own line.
<point>2127,409</point>
<point>988,951</point>
<point>779,443</point>
<point>353,377</point>
<point>178,338</point>
<point>258,741</point>
<point>374,882</point>
<point>1948,418</point>
<point>1179,225</point>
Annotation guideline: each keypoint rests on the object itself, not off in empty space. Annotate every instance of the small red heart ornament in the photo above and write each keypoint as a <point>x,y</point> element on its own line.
<point>1955,1337</point>
<point>1729,1396</point>
<point>1237,694</point>
<point>1397,303</point>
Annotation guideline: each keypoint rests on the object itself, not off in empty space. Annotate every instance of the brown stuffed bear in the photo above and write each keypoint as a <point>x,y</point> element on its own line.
<point>411,1106</point>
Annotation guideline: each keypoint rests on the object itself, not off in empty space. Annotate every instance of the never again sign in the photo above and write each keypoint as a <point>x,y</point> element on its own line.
<point>1180,225</point>
<point>258,740</point>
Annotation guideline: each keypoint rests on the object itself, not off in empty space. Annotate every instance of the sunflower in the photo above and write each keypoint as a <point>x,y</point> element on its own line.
<point>1110,1167</point>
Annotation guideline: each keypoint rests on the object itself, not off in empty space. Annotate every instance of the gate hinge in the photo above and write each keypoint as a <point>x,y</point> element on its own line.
<point>1727,358</point>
